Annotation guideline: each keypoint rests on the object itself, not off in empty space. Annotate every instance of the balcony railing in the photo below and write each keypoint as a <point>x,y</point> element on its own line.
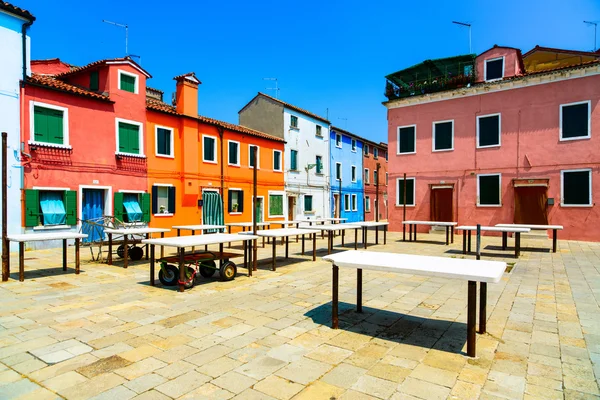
<point>421,87</point>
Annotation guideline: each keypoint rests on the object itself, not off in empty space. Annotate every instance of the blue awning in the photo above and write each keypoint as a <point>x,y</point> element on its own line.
<point>53,207</point>
<point>132,207</point>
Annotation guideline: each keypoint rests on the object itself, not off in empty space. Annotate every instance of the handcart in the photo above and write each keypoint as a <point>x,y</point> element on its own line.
<point>202,262</point>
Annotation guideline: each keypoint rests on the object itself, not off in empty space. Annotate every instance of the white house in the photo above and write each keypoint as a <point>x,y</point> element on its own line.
<point>14,27</point>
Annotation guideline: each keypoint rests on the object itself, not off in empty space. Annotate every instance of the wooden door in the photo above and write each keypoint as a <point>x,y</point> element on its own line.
<point>336,206</point>
<point>291,208</point>
<point>530,205</point>
<point>442,204</point>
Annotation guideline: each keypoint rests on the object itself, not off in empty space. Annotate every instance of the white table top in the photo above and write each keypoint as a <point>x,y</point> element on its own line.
<point>432,223</point>
<point>370,223</point>
<point>199,227</point>
<point>312,220</point>
<point>492,229</point>
<point>36,237</point>
<point>248,224</point>
<point>134,231</point>
<point>330,227</point>
<point>199,240</point>
<point>284,232</point>
<point>534,227</point>
<point>472,270</point>
<point>286,222</point>
<point>335,219</point>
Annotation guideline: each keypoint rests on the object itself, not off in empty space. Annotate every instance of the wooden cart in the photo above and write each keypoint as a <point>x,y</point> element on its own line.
<point>197,262</point>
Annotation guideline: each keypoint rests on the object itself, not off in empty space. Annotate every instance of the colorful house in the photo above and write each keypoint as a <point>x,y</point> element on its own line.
<point>498,138</point>
<point>375,170</point>
<point>14,68</point>
<point>346,178</point>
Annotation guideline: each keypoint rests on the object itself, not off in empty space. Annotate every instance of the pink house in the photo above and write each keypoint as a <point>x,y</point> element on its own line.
<point>498,138</point>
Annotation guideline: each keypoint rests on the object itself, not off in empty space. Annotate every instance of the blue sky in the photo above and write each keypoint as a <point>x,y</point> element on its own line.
<point>328,55</point>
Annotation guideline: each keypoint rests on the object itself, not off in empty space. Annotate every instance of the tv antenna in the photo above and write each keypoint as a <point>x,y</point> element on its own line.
<point>345,121</point>
<point>276,88</point>
<point>467,25</point>
<point>595,28</point>
<point>126,32</point>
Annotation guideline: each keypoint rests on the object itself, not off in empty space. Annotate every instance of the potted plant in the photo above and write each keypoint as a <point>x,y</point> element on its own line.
<point>162,209</point>
<point>234,207</point>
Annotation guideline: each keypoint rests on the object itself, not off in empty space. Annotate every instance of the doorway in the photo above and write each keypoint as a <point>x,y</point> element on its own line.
<point>259,208</point>
<point>92,210</point>
<point>442,204</point>
<point>336,206</point>
<point>530,205</point>
<point>291,215</point>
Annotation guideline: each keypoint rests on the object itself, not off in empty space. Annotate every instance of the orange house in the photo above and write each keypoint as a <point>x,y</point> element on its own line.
<point>199,169</point>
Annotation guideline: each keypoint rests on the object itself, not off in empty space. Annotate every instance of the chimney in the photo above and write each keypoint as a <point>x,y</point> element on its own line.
<point>187,94</point>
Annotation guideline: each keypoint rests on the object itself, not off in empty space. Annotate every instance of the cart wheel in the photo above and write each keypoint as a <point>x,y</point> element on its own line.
<point>191,277</point>
<point>136,253</point>
<point>168,276</point>
<point>207,268</point>
<point>121,251</point>
<point>228,271</point>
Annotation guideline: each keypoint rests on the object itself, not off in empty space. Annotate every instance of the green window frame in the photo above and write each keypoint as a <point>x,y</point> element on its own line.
<point>163,141</point>
<point>319,129</point>
<point>127,82</point>
<point>275,205</point>
<point>294,160</point>
<point>129,138</point>
<point>319,162</point>
<point>49,125</point>
<point>94,80</point>
<point>251,156</point>
<point>61,208</point>
<point>308,203</point>
<point>233,153</point>
<point>294,121</point>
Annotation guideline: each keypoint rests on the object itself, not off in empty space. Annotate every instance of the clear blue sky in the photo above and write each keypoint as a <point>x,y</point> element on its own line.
<point>327,54</point>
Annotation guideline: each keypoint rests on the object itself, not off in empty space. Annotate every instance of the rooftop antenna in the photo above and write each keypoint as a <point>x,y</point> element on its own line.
<point>126,32</point>
<point>468,26</point>
<point>345,121</point>
<point>276,88</point>
<point>595,28</point>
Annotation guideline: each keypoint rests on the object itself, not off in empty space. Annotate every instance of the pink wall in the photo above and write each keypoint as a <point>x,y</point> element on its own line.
<point>511,61</point>
<point>530,134</point>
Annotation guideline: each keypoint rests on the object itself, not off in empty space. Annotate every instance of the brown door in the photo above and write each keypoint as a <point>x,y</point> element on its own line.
<point>291,208</point>
<point>336,205</point>
<point>530,205</point>
<point>441,204</point>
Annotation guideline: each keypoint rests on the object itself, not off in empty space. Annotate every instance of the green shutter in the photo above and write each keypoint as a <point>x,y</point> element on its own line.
<point>71,207</point>
<point>55,125</point>
<point>48,125</point>
<point>123,138</point>
<point>129,138</point>
<point>275,204</point>
<point>127,83</point>
<point>32,207</point>
<point>40,124</point>
<point>118,206</point>
<point>294,160</point>
<point>146,207</point>
<point>94,81</point>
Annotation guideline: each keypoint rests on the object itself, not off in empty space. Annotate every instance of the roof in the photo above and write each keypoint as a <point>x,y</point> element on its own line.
<point>553,50</point>
<point>55,84</point>
<point>288,105</point>
<point>121,60</point>
<point>519,55</point>
<point>431,69</point>
<point>190,76</point>
<point>16,11</point>
<point>160,106</point>
<point>372,143</point>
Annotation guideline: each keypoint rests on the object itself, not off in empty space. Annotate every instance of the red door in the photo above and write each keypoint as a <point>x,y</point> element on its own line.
<point>442,204</point>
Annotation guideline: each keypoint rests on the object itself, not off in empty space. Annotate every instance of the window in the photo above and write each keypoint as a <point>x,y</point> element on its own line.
<point>366,177</point>
<point>277,160</point>
<point>367,204</point>
<point>318,130</point>
<point>338,171</point>
<point>346,202</point>
<point>308,203</point>
<point>575,121</point>
<point>131,207</point>
<point>354,202</point>
<point>576,188</point>
<point>49,124</point>
<point>494,69</point>
<point>94,81</point>
<point>353,145</point>
<point>375,177</point>
<point>410,191</point>
<point>443,135</point>
<point>386,155</point>
<point>488,130</point>
<point>338,140</point>
<point>128,82</point>
<point>163,200</point>
<point>209,149</point>
<point>353,173</point>
<point>366,150</point>
<point>294,121</point>
<point>294,160</point>
<point>386,179</point>
<point>375,152</point>
<point>164,141</point>
<point>407,136</point>
<point>233,153</point>
<point>275,204</point>
<point>319,161</point>
<point>50,207</point>
<point>235,201</point>
<point>488,190</point>
<point>251,156</point>
<point>130,137</point>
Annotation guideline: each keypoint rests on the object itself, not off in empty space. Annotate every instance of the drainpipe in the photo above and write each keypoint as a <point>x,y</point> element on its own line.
<point>24,47</point>
<point>220,129</point>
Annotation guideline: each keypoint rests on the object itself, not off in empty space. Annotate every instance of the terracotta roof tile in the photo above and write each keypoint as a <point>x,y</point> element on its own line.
<point>290,106</point>
<point>190,75</point>
<point>16,10</point>
<point>75,70</point>
<point>156,105</point>
<point>51,83</point>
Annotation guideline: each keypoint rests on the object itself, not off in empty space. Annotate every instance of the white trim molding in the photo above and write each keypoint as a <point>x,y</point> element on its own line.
<point>398,140</point>
<point>562,187</point>
<point>589,122</point>
<point>408,178</point>
<point>433,124</point>
<point>65,111</point>
<point>49,188</point>
<point>499,191</point>
<point>238,153</point>
<point>172,140</point>
<point>485,68</point>
<point>136,87</point>
<point>216,149</point>
<point>140,126</point>
<point>499,115</point>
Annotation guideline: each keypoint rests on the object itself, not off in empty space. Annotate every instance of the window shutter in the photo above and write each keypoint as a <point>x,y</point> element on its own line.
<point>171,205</point>
<point>123,138</point>
<point>40,124</point>
<point>71,207</point>
<point>55,125</point>
<point>32,207</point>
<point>146,207</point>
<point>230,200</point>
<point>294,160</point>
<point>118,206</point>
<point>134,139</point>
<point>241,201</point>
<point>154,199</point>
<point>94,81</point>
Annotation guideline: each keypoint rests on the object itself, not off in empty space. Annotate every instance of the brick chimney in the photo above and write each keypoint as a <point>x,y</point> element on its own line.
<point>186,96</point>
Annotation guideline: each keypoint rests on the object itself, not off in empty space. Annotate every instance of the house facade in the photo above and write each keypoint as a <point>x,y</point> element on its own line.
<point>346,178</point>
<point>306,156</point>
<point>508,138</point>
<point>14,69</point>
<point>375,170</point>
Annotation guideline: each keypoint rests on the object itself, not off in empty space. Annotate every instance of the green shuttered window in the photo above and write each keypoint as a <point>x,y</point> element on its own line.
<point>275,205</point>
<point>209,145</point>
<point>276,160</point>
<point>163,141</point>
<point>294,160</point>
<point>48,125</point>
<point>319,161</point>
<point>50,207</point>
<point>94,81</point>
<point>308,204</point>
<point>127,82</point>
<point>129,138</point>
<point>123,210</point>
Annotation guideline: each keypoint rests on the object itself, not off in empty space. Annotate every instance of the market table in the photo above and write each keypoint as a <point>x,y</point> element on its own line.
<point>126,232</point>
<point>467,229</point>
<point>41,237</point>
<point>369,224</point>
<point>200,228</point>
<point>472,271</point>
<point>330,228</point>
<point>181,242</point>
<point>555,229</point>
<point>412,227</point>
<point>248,225</point>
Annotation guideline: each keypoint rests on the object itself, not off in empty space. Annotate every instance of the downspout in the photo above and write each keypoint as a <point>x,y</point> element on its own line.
<point>24,28</point>
<point>220,129</point>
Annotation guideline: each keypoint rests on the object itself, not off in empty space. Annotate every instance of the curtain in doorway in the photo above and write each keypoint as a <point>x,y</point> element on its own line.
<point>212,210</point>
<point>53,207</point>
<point>91,213</point>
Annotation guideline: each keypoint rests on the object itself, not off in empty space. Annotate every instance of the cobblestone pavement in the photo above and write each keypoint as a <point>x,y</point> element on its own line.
<point>106,334</point>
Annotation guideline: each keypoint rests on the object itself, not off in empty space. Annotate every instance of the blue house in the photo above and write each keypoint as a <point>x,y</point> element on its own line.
<point>347,190</point>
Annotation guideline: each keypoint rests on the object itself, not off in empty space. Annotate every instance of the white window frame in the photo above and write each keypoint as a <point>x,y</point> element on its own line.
<point>353,145</point>
<point>367,203</point>
<point>137,80</point>
<point>433,135</point>
<point>366,150</point>
<point>238,153</point>
<point>163,185</point>
<point>336,140</point>
<point>323,167</point>
<point>562,187</point>
<point>257,155</point>
<point>336,169</point>
<point>398,139</point>
<point>353,173</point>
<point>172,146</point>
<point>398,200</point>
<point>311,211</point>
<point>354,203</point>
<point>560,125</point>
<point>297,160</point>
<point>297,127</point>
<point>234,190</point>
<point>317,126</point>
<point>214,138</point>
<point>367,178</point>
<point>65,112</point>
<point>346,203</point>
<point>140,133</point>
<point>280,160</point>
<point>499,131</point>
<point>485,69</point>
<point>499,175</point>
<point>276,193</point>
<point>375,177</point>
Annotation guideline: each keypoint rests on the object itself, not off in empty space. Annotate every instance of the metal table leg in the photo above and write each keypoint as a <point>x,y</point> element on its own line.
<point>273,255</point>
<point>152,260</point>
<point>334,297</point>
<point>64,254</point>
<point>181,270</point>
<point>471,318</point>
<point>482,306</point>
<point>126,252</point>
<point>77,256</point>
<point>21,261</point>
<point>359,290</point>
<point>504,240</point>
<point>314,240</point>
<point>517,244</point>
<point>554,234</point>
<point>109,258</point>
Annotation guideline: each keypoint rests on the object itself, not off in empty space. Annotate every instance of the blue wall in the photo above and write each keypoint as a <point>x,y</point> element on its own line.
<point>348,158</point>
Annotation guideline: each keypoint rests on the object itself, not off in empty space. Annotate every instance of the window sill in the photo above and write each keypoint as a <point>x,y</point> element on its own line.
<point>294,170</point>
<point>234,165</point>
<point>275,216</point>
<point>50,227</point>
<point>489,205</point>
<point>577,205</point>
<point>309,212</point>
<point>165,156</point>
<point>441,150</point>
<point>561,139</point>
<point>209,161</point>
<point>277,170</point>
<point>493,80</point>
<point>406,153</point>
<point>401,205</point>
<point>33,143</point>
<point>294,128</point>
<point>319,136</point>
<point>163,215</point>
<point>354,151</point>
<point>489,146</point>
<point>131,155</point>
<point>235,213</point>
